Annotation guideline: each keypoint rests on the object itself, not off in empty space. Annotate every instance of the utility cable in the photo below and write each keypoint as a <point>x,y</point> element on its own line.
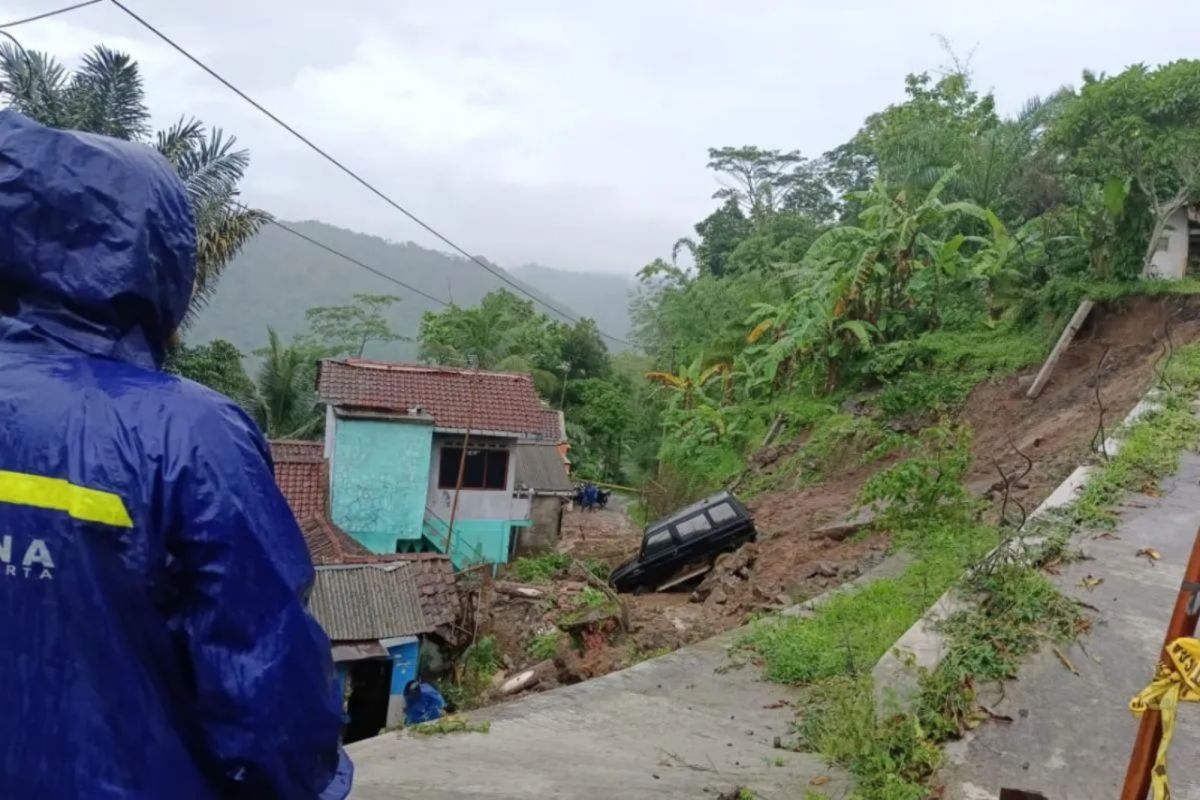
<point>351,173</point>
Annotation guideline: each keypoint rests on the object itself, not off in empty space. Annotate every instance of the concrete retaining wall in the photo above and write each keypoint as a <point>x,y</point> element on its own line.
<point>922,647</point>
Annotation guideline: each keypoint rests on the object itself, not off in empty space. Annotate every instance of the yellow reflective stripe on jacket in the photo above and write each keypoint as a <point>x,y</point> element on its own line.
<point>78,502</point>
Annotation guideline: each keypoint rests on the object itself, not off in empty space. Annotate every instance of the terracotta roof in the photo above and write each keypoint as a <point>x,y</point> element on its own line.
<point>301,476</point>
<point>432,573</point>
<point>503,402</point>
<point>367,601</point>
<point>329,544</point>
<point>553,429</point>
<point>292,450</point>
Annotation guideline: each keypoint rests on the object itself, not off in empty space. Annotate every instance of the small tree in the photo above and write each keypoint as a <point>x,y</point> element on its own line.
<point>1141,130</point>
<point>348,329</point>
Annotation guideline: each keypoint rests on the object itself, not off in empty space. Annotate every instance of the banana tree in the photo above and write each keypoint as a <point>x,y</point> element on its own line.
<point>692,380</point>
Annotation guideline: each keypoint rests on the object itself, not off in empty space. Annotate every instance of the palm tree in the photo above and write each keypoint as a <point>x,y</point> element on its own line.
<point>287,408</point>
<point>105,95</point>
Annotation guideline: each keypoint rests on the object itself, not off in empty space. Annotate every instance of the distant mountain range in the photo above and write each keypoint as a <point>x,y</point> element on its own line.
<point>277,276</point>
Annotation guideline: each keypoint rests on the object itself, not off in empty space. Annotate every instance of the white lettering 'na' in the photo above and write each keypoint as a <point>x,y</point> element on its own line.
<point>5,549</point>
<point>37,554</point>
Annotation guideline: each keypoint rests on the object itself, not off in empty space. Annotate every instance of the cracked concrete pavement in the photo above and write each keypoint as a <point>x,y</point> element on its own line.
<point>1071,735</point>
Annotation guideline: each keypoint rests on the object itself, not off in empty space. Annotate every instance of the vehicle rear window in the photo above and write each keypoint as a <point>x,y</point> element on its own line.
<point>658,539</point>
<point>722,512</point>
<point>693,526</point>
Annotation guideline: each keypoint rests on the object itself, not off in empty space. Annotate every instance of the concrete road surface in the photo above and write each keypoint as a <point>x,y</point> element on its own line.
<point>1071,734</point>
<point>684,725</point>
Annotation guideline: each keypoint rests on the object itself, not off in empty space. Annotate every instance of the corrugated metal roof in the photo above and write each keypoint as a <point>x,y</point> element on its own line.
<point>368,601</point>
<point>540,468</point>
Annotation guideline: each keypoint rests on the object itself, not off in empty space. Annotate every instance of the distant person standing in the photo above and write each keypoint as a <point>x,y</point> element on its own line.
<point>152,578</point>
<point>591,495</point>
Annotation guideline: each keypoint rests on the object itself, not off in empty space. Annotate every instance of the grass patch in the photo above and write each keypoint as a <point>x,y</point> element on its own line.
<point>472,675</point>
<point>544,645</point>
<point>451,724</point>
<point>934,373</point>
<point>539,569</point>
<point>1017,608</point>
<point>852,631</point>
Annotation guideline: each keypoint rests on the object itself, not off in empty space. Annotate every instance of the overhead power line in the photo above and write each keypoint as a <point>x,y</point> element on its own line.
<point>351,173</point>
<point>48,14</point>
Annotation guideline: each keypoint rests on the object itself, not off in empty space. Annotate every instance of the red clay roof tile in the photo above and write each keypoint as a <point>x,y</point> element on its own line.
<point>301,476</point>
<point>501,402</point>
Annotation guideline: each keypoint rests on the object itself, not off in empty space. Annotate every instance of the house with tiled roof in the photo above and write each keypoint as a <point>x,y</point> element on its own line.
<point>376,608</point>
<point>421,458</point>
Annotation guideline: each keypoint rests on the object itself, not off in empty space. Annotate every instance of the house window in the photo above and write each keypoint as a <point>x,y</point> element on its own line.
<point>484,469</point>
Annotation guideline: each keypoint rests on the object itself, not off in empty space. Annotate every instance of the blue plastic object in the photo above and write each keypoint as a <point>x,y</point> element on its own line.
<point>422,703</point>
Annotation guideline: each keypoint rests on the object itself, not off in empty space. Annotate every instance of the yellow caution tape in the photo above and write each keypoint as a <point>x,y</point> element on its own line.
<point>1174,683</point>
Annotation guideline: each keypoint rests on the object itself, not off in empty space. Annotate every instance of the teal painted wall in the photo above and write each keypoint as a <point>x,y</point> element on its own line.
<point>475,540</point>
<point>380,477</point>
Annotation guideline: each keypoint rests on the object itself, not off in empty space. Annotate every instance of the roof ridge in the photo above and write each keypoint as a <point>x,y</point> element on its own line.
<point>405,366</point>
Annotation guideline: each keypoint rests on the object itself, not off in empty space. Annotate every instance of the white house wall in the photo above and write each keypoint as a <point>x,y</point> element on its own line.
<point>472,503</point>
<point>1171,262</point>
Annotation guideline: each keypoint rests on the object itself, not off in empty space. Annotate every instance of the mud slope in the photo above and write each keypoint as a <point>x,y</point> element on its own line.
<point>1057,429</point>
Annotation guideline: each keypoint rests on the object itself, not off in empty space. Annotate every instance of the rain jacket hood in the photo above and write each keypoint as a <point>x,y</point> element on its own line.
<point>156,642</point>
<point>99,245</point>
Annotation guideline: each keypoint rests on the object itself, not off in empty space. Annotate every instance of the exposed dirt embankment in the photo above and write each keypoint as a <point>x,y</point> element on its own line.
<point>1113,361</point>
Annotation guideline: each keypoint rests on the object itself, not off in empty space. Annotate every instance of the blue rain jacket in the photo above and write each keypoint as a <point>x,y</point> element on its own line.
<point>154,641</point>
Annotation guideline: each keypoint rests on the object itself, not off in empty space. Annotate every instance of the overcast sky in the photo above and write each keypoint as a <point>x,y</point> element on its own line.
<point>565,133</point>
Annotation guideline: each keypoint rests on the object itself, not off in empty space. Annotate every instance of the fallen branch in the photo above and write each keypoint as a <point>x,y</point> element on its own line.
<point>623,615</point>
<point>518,590</point>
<point>1066,661</point>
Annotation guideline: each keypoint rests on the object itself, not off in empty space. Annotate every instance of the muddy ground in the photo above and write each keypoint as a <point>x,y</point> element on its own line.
<point>1116,356</point>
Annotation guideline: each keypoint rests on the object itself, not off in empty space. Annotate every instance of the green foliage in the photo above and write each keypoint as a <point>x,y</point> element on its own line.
<point>545,645</point>
<point>105,95</point>
<point>605,417</point>
<point>1138,130</point>
<point>927,485</point>
<point>539,569</point>
<point>217,365</point>
<point>348,329</point>
<point>591,597</point>
<point>287,404</point>
<point>473,674</point>
<point>451,724</point>
<point>1151,450</point>
<point>889,761</point>
<point>852,631</point>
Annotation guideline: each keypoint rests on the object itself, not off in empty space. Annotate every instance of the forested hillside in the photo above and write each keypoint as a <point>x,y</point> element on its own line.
<point>249,297</point>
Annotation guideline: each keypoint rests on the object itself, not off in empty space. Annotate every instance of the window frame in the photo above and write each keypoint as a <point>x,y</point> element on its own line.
<point>487,453</point>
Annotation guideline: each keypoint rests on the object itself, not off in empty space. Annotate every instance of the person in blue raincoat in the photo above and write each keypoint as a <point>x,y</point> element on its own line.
<point>154,639</point>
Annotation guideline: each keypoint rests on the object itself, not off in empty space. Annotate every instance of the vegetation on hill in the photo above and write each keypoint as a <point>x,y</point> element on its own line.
<point>942,243</point>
